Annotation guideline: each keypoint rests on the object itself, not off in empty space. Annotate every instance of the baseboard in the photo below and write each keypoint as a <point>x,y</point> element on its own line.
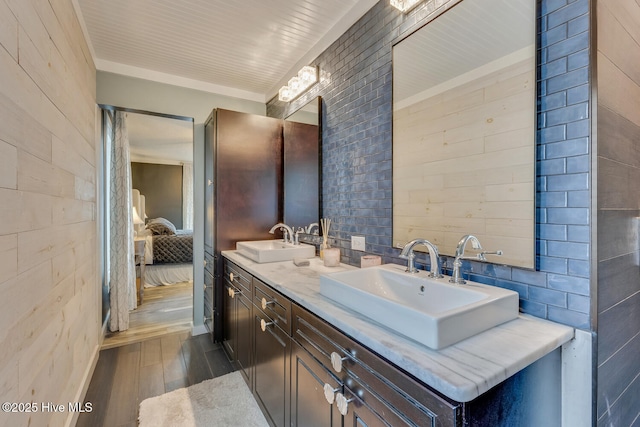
<point>72,418</point>
<point>199,330</point>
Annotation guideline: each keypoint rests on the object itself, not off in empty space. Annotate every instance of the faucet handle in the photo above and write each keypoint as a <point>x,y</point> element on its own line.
<point>481,255</point>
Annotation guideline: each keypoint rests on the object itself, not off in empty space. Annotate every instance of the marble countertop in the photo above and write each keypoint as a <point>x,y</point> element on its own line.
<point>461,372</point>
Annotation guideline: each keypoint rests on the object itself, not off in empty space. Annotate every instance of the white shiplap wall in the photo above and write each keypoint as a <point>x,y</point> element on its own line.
<point>49,293</point>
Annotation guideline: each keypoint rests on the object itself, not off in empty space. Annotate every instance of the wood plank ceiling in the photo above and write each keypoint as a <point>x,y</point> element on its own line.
<point>243,48</point>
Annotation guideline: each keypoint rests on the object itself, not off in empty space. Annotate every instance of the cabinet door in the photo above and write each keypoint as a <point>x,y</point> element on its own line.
<point>244,333</point>
<point>208,300</point>
<point>229,322</point>
<point>272,369</point>
<point>309,405</point>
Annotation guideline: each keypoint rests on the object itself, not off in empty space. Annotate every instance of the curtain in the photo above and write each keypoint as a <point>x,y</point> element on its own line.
<point>187,196</point>
<point>123,275</point>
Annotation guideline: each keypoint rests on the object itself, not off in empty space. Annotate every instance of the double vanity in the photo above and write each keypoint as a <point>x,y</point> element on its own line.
<point>347,346</point>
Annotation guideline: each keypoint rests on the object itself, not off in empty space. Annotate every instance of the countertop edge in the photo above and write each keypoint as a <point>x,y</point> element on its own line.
<point>462,371</point>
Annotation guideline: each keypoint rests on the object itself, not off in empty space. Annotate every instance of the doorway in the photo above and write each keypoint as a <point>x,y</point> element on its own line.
<point>158,144</point>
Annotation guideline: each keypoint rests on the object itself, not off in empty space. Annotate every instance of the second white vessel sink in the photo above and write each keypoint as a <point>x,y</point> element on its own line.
<point>433,312</point>
<point>262,251</point>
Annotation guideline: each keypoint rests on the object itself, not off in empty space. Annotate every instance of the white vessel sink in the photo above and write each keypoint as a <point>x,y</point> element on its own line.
<point>433,312</point>
<point>262,251</point>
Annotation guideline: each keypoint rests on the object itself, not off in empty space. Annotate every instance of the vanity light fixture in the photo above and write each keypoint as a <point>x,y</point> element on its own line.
<point>404,5</point>
<point>307,77</point>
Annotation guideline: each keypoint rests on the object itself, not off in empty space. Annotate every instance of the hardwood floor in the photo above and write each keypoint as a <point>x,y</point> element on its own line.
<point>156,355</point>
<point>127,375</point>
<point>166,309</point>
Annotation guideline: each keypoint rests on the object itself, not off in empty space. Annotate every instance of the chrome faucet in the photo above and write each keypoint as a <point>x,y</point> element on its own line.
<point>308,229</point>
<point>457,262</point>
<point>407,253</point>
<point>287,232</point>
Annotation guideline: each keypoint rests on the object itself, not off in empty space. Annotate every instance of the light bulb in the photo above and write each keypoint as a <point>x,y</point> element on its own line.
<point>284,94</point>
<point>308,75</point>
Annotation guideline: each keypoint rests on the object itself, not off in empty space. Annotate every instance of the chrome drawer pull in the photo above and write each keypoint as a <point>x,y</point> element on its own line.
<point>264,303</point>
<point>231,276</point>
<point>329,393</point>
<point>232,292</point>
<point>343,403</point>
<point>336,361</point>
<point>264,324</point>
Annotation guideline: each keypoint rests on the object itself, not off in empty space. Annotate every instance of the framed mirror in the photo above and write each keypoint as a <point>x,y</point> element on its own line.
<point>464,126</point>
<point>302,148</point>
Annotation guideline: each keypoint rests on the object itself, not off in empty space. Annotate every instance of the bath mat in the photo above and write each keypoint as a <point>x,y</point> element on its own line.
<point>225,401</point>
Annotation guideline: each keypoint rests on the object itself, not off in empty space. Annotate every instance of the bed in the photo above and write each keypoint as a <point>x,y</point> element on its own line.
<point>169,258</point>
<point>168,251</point>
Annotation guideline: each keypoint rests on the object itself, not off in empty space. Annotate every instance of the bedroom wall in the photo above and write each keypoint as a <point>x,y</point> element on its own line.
<point>162,187</point>
<point>130,92</point>
<point>50,306</point>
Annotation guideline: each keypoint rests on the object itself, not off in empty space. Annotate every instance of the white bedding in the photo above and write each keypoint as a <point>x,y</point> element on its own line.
<point>167,274</point>
<point>148,248</point>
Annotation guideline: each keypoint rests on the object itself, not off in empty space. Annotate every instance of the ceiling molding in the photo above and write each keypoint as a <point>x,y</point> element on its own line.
<point>156,76</point>
<point>83,26</point>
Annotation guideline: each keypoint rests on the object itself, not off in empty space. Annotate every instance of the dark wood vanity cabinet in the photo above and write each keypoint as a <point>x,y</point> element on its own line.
<point>304,372</point>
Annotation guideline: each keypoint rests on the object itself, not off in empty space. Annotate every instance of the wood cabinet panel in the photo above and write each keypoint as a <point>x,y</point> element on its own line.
<point>272,369</point>
<point>309,407</point>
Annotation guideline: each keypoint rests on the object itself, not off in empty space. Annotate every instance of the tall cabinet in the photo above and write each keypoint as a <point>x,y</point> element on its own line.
<point>243,195</point>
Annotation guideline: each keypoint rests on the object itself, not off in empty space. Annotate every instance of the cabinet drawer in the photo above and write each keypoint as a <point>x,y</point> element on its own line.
<point>208,262</point>
<point>364,370</point>
<point>274,305</point>
<point>239,278</point>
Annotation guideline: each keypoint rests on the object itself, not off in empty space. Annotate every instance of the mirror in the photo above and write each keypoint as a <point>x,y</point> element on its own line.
<point>464,125</point>
<point>302,136</point>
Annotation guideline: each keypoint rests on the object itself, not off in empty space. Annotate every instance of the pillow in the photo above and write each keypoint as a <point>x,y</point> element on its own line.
<point>161,226</point>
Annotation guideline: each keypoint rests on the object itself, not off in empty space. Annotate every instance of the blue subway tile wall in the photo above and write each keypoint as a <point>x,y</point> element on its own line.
<point>357,150</point>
